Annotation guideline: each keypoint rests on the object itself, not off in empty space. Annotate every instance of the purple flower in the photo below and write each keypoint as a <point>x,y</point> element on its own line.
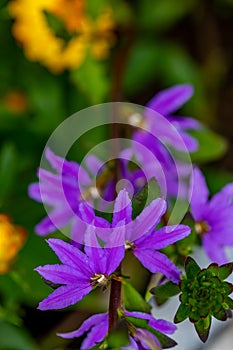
<point>143,339</point>
<point>144,241</point>
<point>97,328</point>
<point>64,191</point>
<point>213,218</point>
<point>80,272</point>
<point>141,237</point>
<point>163,130</point>
<point>168,101</point>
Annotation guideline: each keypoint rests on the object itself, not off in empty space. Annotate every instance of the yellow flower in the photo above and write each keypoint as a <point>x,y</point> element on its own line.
<point>59,33</point>
<point>12,239</point>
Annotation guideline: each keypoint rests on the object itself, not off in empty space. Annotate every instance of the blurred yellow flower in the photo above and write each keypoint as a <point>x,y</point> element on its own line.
<point>59,33</point>
<point>12,239</point>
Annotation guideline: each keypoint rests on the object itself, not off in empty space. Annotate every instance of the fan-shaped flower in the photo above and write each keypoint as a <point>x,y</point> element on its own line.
<point>80,272</point>
<point>63,192</point>
<point>213,218</point>
<point>140,235</point>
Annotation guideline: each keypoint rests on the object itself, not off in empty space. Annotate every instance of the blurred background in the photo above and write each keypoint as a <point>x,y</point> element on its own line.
<point>60,56</point>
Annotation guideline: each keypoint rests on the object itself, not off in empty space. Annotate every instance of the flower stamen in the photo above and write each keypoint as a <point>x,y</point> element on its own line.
<point>100,279</point>
<point>201,227</point>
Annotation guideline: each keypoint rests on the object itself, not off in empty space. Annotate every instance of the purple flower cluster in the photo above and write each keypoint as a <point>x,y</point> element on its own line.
<point>70,192</point>
<point>82,271</point>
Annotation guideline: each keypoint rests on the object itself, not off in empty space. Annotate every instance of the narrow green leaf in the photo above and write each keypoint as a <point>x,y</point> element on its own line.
<point>221,314</point>
<point>165,291</point>
<point>191,268</point>
<point>225,270</point>
<point>229,302</point>
<point>133,300</point>
<point>168,289</point>
<point>203,327</point>
<point>182,313</point>
<point>214,268</point>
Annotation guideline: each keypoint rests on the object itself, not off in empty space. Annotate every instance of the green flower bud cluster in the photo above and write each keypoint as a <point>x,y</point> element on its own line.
<point>204,294</point>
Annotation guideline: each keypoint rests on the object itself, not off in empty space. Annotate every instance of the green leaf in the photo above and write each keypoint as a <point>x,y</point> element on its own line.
<point>220,315</point>
<point>225,270</point>
<point>145,51</point>
<point>165,291</point>
<point>211,146</point>
<point>203,327</point>
<point>133,300</point>
<point>91,79</point>
<point>8,169</point>
<point>119,337</point>
<point>229,302</point>
<point>214,268</point>
<point>16,338</point>
<point>165,341</point>
<point>162,14</point>
<point>191,268</point>
<point>145,196</point>
<point>182,313</point>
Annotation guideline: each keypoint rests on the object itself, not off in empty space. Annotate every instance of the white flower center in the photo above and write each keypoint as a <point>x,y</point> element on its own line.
<point>137,120</point>
<point>99,278</point>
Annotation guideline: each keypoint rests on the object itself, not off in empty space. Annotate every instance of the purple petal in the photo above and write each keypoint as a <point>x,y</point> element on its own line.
<point>98,319</point>
<point>158,324</point>
<point>132,345</point>
<point>97,334</point>
<point>34,192</point>
<point>93,164</point>
<point>222,236</point>
<point>214,251</point>
<point>57,218</point>
<point>45,227</point>
<point>149,218</point>
<point>163,237</point>
<point>222,199</point>
<point>65,296</point>
<point>60,164</point>
<point>199,195</point>
<point>117,251</point>
<point>162,326</point>
<point>98,258</point>
<point>61,274</point>
<point>83,177</point>
<point>190,142</point>
<point>147,339</point>
<point>171,99</point>
<point>185,123</point>
<point>77,231</point>
<point>88,215</point>
<point>122,208</point>
<point>70,255</point>
<point>158,262</point>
